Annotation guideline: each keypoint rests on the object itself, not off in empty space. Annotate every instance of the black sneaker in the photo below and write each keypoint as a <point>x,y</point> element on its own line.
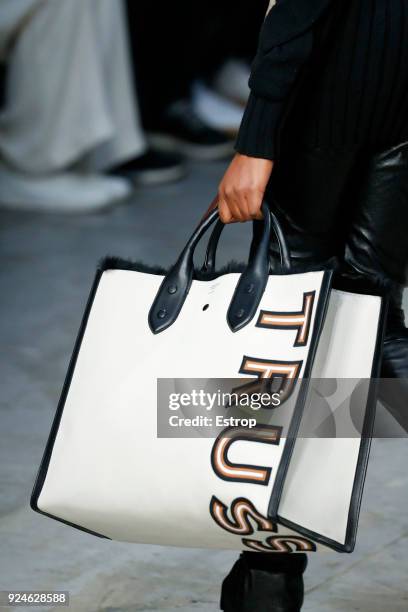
<point>152,168</point>
<point>181,129</point>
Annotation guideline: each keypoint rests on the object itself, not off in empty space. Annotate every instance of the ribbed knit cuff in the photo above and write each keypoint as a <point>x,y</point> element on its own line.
<point>258,132</point>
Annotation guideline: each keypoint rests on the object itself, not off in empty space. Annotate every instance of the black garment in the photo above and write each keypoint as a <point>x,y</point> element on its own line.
<point>358,93</point>
<point>345,78</point>
<point>174,43</point>
<point>349,204</point>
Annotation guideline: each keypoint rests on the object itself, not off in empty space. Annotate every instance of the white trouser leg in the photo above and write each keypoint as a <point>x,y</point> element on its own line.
<point>69,89</point>
<point>119,88</point>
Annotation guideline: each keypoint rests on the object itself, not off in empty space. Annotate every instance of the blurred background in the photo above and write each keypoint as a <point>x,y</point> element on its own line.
<point>117,120</point>
<point>99,97</point>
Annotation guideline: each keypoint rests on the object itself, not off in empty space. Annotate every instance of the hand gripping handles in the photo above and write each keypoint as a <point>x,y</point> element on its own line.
<point>176,284</point>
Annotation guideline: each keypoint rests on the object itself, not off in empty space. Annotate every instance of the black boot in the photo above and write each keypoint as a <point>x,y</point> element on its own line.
<point>265,582</point>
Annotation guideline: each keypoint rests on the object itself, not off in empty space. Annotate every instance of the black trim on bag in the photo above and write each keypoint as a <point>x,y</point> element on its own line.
<point>362,460</point>
<point>45,462</point>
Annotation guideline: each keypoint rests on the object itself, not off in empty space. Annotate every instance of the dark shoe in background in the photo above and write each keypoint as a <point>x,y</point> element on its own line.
<point>271,582</point>
<point>181,130</point>
<point>152,168</point>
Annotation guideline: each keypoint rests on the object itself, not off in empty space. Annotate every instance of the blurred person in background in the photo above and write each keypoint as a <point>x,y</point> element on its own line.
<point>191,63</point>
<point>324,139</point>
<point>236,22</point>
<point>70,135</point>
<point>220,91</point>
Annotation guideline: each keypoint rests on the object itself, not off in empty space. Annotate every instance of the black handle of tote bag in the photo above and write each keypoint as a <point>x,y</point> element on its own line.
<point>211,252</point>
<point>176,284</point>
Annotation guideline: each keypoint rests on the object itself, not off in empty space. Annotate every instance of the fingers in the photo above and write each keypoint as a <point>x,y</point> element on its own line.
<point>236,203</point>
<point>254,204</point>
<point>224,212</point>
<point>239,205</point>
<point>242,188</point>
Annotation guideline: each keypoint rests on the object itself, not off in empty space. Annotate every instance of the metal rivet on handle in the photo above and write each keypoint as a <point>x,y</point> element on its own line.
<point>172,289</point>
<point>250,288</point>
<point>162,313</point>
<point>240,313</point>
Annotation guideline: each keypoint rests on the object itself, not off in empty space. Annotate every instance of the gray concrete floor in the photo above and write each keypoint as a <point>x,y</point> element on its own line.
<point>48,264</point>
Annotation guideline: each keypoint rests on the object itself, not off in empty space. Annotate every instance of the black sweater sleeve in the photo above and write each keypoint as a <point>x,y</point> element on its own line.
<point>285,44</point>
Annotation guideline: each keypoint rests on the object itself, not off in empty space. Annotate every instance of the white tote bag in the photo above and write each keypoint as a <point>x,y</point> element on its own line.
<point>106,471</point>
